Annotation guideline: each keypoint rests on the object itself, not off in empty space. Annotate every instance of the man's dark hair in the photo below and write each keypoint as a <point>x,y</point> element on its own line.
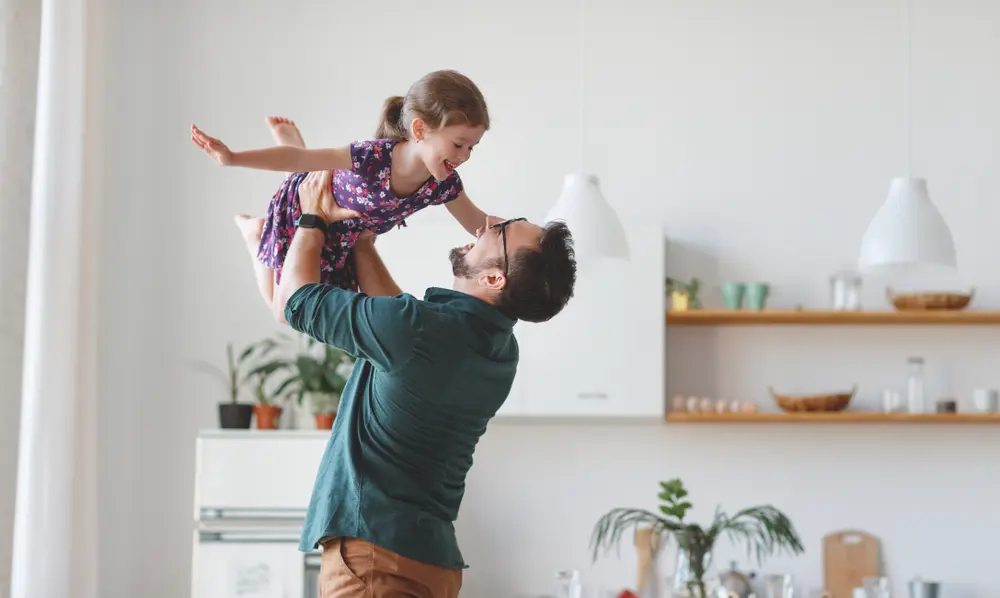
<point>540,279</point>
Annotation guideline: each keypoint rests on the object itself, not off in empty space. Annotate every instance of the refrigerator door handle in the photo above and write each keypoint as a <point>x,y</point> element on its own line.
<point>247,536</point>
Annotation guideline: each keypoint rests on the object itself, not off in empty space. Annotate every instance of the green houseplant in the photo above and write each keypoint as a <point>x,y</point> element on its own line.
<point>233,414</point>
<point>764,529</point>
<point>684,295</point>
<point>317,372</point>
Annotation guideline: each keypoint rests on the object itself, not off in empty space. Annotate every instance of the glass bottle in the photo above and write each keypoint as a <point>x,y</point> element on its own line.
<point>915,385</point>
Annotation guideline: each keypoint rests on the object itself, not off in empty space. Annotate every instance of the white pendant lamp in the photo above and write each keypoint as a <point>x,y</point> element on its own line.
<point>908,231</point>
<point>597,231</point>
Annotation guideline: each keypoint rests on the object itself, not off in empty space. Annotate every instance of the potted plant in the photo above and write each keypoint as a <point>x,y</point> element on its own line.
<point>267,408</point>
<point>764,529</point>
<point>318,372</point>
<point>233,414</point>
<point>684,296</point>
<point>324,410</point>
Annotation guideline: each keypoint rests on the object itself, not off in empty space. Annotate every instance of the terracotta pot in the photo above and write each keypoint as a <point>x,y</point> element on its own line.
<point>267,416</point>
<point>324,421</point>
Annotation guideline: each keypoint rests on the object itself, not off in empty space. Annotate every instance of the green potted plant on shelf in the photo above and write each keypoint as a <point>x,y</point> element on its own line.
<point>268,408</point>
<point>234,414</point>
<point>764,529</point>
<point>318,373</point>
<point>684,295</point>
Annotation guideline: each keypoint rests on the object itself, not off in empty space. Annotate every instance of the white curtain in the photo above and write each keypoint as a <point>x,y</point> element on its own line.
<point>19,28</point>
<point>55,521</point>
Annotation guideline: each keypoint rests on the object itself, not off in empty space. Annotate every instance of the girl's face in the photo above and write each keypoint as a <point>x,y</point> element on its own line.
<point>447,148</point>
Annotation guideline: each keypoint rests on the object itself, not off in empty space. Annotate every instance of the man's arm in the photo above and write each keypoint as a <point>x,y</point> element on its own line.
<point>373,277</point>
<point>381,330</point>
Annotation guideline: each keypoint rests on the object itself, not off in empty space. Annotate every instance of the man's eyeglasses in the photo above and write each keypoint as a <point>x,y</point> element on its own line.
<point>503,235</point>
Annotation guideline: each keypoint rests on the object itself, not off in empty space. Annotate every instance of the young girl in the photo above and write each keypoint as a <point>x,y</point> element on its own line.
<point>420,142</point>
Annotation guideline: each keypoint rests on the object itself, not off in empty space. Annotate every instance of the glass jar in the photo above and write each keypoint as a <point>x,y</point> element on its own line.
<point>845,291</point>
<point>915,385</point>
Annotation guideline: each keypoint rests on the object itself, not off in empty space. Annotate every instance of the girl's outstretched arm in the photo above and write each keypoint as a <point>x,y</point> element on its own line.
<point>280,158</point>
<point>468,214</point>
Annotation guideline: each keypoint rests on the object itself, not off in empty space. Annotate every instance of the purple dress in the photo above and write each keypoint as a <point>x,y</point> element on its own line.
<point>364,189</point>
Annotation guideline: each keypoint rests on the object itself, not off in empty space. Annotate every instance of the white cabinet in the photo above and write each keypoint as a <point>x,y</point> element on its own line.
<point>243,471</point>
<point>603,356</point>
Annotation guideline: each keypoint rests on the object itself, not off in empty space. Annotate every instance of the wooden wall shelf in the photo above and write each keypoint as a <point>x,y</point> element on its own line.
<point>791,317</point>
<point>842,417</point>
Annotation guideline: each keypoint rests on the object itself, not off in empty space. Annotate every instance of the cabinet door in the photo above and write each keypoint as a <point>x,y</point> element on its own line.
<point>604,354</point>
<point>247,568</point>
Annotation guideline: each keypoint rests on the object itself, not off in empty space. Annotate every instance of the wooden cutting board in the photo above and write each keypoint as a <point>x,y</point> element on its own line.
<point>849,556</point>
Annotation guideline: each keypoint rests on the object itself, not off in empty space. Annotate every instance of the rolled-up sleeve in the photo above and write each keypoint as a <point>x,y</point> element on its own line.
<point>382,330</point>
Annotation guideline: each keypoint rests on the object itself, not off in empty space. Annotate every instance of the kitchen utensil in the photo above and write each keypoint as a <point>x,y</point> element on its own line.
<point>646,544</point>
<point>920,588</point>
<point>817,402</point>
<point>735,582</point>
<point>876,587</point>
<point>929,301</point>
<point>849,556</point>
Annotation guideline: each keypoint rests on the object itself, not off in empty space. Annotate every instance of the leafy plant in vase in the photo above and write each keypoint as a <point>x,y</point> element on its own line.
<point>684,295</point>
<point>267,409</point>
<point>319,373</point>
<point>764,529</point>
<point>233,414</point>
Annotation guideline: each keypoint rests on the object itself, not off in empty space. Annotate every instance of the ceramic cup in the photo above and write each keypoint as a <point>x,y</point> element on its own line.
<point>732,294</point>
<point>986,400</point>
<point>756,295</point>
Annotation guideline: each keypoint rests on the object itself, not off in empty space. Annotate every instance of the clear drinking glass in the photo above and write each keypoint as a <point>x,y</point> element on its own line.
<point>915,385</point>
<point>779,585</point>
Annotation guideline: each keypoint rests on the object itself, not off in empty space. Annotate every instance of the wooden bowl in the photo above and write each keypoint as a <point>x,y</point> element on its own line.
<point>813,403</point>
<point>929,301</point>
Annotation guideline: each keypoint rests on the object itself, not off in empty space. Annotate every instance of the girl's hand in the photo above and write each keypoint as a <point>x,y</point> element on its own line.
<point>491,220</point>
<point>212,146</point>
<point>315,197</point>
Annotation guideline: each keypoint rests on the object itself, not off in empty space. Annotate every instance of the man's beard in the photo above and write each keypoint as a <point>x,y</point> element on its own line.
<point>460,266</point>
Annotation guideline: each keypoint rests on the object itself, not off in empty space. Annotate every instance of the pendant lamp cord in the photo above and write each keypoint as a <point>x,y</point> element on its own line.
<point>907,111</point>
<point>583,85</point>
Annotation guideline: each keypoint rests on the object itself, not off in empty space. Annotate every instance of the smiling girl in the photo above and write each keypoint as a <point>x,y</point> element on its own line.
<point>421,141</point>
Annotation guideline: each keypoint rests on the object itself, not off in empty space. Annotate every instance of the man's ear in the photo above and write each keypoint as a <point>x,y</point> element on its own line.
<point>493,280</point>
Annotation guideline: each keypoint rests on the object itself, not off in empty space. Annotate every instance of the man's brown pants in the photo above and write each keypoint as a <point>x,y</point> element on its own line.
<point>354,568</point>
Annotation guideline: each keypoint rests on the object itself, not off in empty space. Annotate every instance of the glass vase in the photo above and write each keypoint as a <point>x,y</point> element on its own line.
<point>688,581</point>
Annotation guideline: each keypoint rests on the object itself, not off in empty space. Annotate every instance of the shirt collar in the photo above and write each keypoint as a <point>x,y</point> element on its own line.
<point>469,304</point>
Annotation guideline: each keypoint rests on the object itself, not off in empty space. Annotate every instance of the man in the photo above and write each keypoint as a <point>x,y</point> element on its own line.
<point>429,377</point>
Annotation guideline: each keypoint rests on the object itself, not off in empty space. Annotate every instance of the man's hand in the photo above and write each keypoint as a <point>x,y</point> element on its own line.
<point>212,146</point>
<point>315,197</point>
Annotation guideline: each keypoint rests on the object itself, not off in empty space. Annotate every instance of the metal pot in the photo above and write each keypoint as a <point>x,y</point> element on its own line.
<point>735,582</point>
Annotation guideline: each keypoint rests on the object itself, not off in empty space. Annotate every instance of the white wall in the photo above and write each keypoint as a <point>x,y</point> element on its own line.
<point>719,119</point>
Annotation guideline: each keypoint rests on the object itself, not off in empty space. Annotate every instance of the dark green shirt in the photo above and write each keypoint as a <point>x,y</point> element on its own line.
<point>429,376</point>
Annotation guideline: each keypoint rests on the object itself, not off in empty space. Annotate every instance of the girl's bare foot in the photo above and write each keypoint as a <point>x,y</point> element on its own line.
<point>285,132</point>
<point>251,229</point>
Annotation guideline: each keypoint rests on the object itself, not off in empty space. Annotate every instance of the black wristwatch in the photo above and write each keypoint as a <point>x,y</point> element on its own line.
<point>311,221</point>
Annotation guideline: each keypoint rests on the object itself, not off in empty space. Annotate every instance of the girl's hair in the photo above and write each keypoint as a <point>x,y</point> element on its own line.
<point>441,99</point>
